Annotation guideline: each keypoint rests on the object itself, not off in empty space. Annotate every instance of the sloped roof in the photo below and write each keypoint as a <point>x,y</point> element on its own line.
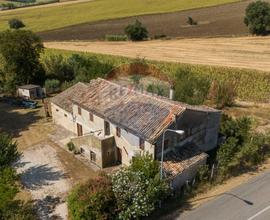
<point>142,114</point>
<point>64,99</point>
<point>179,159</point>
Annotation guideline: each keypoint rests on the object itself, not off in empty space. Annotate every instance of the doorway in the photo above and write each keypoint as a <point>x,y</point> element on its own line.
<point>119,155</point>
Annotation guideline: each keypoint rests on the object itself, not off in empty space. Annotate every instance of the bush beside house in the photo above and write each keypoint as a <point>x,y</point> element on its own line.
<point>130,193</point>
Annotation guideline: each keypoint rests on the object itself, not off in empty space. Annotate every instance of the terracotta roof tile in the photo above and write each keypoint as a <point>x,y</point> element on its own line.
<point>180,159</point>
<point>64,99</point>
<point>142,114</point>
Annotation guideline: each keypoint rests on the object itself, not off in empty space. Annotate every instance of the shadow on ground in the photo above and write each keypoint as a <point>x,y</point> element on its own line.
<point>37,176</point>
<point>14,120</point>
<point>172,209</point>
<point>46,207</point>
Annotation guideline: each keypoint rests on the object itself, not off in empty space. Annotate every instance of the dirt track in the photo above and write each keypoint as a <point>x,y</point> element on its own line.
<point>242,52</point>
<point>223,20</point>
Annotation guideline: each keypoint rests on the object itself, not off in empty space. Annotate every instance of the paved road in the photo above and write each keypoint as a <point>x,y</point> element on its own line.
<point>250,201</point>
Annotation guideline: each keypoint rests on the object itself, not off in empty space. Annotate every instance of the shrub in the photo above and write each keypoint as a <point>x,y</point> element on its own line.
<point>138,188</point>
<point>136,31</point>
<point>258,17</point>
<point>88,68</point>
<point>226,154</point>
<point>8,150</point>
<point>241,149</point>
<point>52,85</point>
<point>93,200</point>
<point>237,128</point>
<point>70,146</point>
<point>190,21</point>
<point>15,23</point>
<point>65,85</point>
<point>203,173</point>
<point>111,37</point>
<point>156,89</point>
<point>190,87</point>
<point>222,93</point>
<point>146,165</point>
<point>7,6</point>
<point>136,79</point>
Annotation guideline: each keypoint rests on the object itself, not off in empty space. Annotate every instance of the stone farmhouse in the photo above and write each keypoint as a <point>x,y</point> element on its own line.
<point>112,124</point>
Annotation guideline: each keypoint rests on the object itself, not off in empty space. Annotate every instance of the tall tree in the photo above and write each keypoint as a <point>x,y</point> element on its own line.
<point>19,59</point>
<point>258,17</point>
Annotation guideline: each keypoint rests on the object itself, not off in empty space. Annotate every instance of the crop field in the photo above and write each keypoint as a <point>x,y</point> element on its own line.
<point>252,85</point>
<point>241,52</point>
<point>48,18</point>
<point>227,20</point>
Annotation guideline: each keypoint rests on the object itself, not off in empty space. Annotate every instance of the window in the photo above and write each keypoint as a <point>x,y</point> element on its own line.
<point>57,110</point>
<point>65,115</point>
<point>142,144</point>
<point>79,110</point>
<point>93,156</point>
<point>91,116</point>
<point>118,132</point>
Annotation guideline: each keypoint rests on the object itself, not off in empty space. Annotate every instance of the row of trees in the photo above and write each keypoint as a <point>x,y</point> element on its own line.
<point>10,207</point>
<point>130,193</point>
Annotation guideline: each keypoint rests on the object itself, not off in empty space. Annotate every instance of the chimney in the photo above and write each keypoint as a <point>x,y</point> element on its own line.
<point>172,93</point>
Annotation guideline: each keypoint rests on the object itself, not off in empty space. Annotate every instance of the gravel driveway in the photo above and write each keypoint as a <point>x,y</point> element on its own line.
<point>44,176</point>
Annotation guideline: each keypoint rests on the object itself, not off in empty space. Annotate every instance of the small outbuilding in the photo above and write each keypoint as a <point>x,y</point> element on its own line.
<point>30,91</point>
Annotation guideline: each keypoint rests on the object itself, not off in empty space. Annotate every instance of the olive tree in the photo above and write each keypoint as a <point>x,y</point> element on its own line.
<point>15,23</point>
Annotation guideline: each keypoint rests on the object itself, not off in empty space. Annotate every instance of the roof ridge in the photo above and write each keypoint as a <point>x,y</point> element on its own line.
<point>147,94</point>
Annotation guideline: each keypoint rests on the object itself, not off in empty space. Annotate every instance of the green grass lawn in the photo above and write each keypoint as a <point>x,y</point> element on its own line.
<point>43,19</point>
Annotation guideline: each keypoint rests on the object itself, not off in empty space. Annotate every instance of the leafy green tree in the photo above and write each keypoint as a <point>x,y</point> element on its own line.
<point>138,188</point>
<point>57,67</point>
<point>190,87</point>
<point>136,31</point>
<point>15,23</point>
<point>238,128</point>
<point>93,200</point>
<point>258,17</point>
<point>86,68</point>
<point>226,154</point>
<point>19,54</point>
<point>10,208</point>
<point>8,150</point>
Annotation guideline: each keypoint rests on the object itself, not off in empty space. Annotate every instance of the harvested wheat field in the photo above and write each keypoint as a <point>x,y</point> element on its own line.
<point>242,52</point>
